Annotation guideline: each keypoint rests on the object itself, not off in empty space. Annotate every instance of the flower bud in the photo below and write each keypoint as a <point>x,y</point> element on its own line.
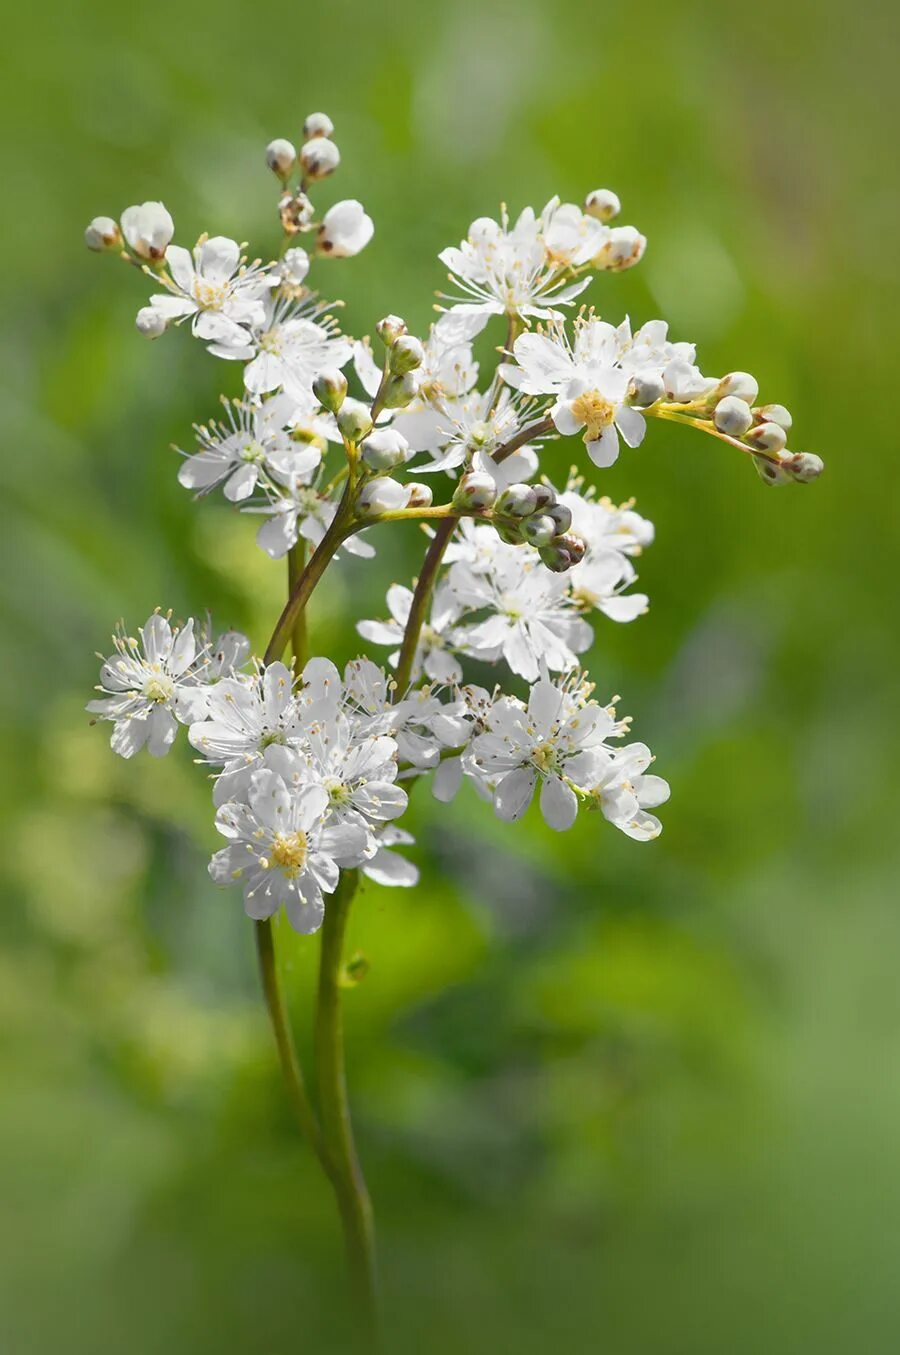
<point>624,248</point>
<point>384,449</point>
<point>545,497</point>
<point>420,496</point>
<point>103,233</point>
<point>517,501</point>
<point>281,156</point>
<point>768,437</point>
<point>354,420</point>
<point>407,354</point>
<point>602,204</point>
<point>804,466</point>
<point>774,414</point>
<point>741,384</point>
<point>401,390</point>
<point>476,489</point>
<point>330,388</point>
<point>148,229</point>
<point>685,383</point>
<point>390,329</point>
<point>733,416</point>
<point>556,557</point>
<point>539,530</point>
<point>645,388</point>
<point>319,157</point>
<point>576,546</point>
<point>770,474</point>
<point>381,495</point>
<point>562,516</point>
<point>317,124</point>
<point>345,228</point>
<point>150,322</point>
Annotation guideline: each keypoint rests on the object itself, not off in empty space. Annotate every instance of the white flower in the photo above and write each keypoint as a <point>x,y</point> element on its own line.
<point>283,850</point>
<point>287,346</point>
<point>612,536</point>
<point>532,619</point>
<point>243,718</point>
<point>503,271</point>
<point>473,424</point>
<point>253,441</point>
<point>625,792</point>
<point>150,685</point>
<point>357,769</point>
<point>345,229</point>
<point>434,653</point>
<point>571,238</point>
<point>388,867</point>
<point>296,508</point>
<point>215,286</point>
<point>588,380</point>
<point>148,229</point>
<point>554,741</point>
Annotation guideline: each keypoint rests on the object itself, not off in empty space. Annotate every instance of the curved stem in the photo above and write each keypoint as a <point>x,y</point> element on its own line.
<point>421,600</point>
<point>349,1183</point>
<point>534,430</point>
<point>284,1039</point>
<point>341,527</point>
<point>296,565</point>
<point>707,426</point>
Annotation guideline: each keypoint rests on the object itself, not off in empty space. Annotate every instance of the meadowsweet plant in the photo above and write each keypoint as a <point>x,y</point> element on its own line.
<point>328,442</point>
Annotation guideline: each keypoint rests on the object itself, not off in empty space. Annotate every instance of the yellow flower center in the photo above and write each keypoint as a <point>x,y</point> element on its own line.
<point>289,852</point>
<point>594,411</point>
<point>210,296</point>
<point>544,757</point>
<point>158,688</point>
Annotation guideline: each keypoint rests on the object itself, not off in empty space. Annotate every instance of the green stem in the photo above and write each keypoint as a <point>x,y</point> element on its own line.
<point>284,1039</point>
<point>421,600</point>
<point>349,1183</point>
<point>296,565</point>
<point>341,527</point>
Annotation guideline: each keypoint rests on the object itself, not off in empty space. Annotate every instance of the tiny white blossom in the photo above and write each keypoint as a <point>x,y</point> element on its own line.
<point>283,851</point>
<point>213,287</point>
<point>148,229</point>
<point>253,441</point>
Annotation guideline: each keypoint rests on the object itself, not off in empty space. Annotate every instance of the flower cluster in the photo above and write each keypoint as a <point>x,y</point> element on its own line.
<point>330,437</point>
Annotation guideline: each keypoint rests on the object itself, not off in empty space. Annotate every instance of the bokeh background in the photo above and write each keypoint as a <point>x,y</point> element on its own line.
<point>610,1096</point>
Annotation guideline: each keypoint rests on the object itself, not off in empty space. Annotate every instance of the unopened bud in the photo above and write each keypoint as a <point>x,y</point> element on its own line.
<point>382,495</point>
<point>103,233</point>
<point>545,497</point>
<point>401,390</point>
<point>420,496</point>
<point>319,157</point>
<point>804,466</point>
<point>733,416</point>
<point>330,388</point>
<point>390,329</point>
<point>384,449</point>
<point>774,414</point>
<point>602,204</point>
<point>575,546</point>
<point>281,156</point>
<point>354,420</point>
<point>645,388</point>
<point>517,501</point>
<point>539,530</point>
<point>476,489</point>
<point>346,227</point>
<point>562,516</point>
<point>148,229</point>
<point>317,124</point>
<point>770,474</point>
<point>407,354</point>
<point>741,384</point>
<point>768,437</point>
<point>150,322</point>
<point>624,248</point>
<point>556,557</point>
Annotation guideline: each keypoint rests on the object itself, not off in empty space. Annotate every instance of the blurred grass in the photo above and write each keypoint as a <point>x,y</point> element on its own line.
<point>610,1097</point>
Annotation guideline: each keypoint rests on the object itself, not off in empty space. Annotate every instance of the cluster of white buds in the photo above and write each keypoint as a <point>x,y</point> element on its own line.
<point>312,766</point>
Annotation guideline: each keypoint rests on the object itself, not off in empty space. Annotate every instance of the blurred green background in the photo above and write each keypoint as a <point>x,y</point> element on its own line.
<point>610,1097</point>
